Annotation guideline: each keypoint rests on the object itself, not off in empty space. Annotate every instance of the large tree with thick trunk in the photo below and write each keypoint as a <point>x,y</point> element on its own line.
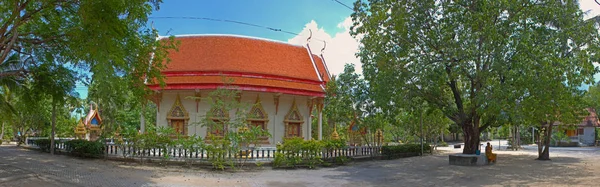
<point>472,59</point>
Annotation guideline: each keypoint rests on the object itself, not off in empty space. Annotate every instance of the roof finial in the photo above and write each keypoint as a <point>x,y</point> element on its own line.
<point>324,46</point>
<point>310,36</point>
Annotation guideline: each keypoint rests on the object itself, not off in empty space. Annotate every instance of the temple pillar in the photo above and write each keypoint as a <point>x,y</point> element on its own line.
<point>310,104</point>
<point>320,125</point>
<point>320,110</point>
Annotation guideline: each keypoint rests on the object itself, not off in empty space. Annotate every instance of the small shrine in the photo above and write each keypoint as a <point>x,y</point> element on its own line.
<point>90,127</point>
<point>356,133</point>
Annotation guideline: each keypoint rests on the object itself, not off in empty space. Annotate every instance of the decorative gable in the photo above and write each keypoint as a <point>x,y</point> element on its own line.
<point>258,112</point>
<point>177,110</point>
<point>294,114</point>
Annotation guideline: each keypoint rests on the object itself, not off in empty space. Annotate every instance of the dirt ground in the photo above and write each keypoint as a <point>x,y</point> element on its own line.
<point>512,169</point>
<point>568,167</point>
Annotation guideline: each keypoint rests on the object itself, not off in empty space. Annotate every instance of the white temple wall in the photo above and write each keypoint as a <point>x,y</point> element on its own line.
<point>275,125</point>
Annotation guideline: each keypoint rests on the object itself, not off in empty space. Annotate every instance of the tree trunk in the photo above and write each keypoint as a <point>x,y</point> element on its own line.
<point>471,137</point>
<point>518,137</point>
<point>544,154</point>
<point>142,119</point>
<point>53,128</point>
<point>2,133</point>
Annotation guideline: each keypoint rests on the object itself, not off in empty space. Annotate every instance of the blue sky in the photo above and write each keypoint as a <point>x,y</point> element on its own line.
<point>283,14</point>
<point>327,19</point>
<point>288,15</point>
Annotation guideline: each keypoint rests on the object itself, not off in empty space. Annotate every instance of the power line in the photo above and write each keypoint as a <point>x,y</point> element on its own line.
<point>344,5</point>
<point>231,21</point>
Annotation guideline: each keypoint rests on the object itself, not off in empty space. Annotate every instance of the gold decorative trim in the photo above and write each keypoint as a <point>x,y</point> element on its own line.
<point>276,98</point>
<point>258,106</point>
<point>293,116</point>
<point>156,98</point>
<point>319,102</point>
<point>264,118</point>
<point>220,115</point>
<point>310,103</point>
<point>180,114</point>
<point>198,98</point>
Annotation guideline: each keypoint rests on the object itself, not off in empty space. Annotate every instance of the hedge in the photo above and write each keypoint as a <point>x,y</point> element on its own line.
<point>84,148</point>
<point>43,144</point>
<point>404,150</point>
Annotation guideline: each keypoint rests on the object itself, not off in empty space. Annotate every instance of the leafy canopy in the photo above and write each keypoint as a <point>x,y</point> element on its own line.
<point>474,59</point>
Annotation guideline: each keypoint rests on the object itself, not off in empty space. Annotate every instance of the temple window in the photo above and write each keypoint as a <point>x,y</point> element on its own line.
<point>178,117</point>
<point>220,118</point>
<point>259,118</point>
<point>293,122</point>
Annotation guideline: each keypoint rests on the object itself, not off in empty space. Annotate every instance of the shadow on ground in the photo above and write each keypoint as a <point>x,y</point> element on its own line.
<point>62,170</point>
<point>511,170</point>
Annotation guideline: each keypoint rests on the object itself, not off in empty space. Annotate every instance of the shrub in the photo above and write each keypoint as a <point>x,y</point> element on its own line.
<point>289,152</point>
<point>43,144</point>
<point>405,150</point>
<point>311,153</point>
<point>443,144</point>
<point>296,151</point>
<point>84,148</point>
<point>334,144</point>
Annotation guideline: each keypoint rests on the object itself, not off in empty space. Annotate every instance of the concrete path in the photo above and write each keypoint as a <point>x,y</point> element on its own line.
<point>572,167</point>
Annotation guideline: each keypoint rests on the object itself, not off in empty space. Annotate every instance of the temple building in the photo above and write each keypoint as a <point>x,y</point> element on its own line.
<point>90,127</point>
<point>285,83</point>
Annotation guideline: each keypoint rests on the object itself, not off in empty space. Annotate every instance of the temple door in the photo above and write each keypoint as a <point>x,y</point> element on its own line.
<point>178,126</point>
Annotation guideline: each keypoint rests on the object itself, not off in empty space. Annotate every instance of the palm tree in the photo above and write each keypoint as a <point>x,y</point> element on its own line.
<point>12,76</point>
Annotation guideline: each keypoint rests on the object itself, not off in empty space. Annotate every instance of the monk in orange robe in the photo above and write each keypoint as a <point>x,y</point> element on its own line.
<point>488,153</point>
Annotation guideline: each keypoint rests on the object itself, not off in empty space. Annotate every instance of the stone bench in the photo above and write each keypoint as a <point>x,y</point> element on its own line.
<point>468,159</point>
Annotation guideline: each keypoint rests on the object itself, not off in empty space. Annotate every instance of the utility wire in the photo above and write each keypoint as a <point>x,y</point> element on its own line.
<point>344,5</point>
<point>231,21</point>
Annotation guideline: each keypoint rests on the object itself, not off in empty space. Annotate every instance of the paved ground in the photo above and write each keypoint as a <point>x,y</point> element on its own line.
<point>569,167</point>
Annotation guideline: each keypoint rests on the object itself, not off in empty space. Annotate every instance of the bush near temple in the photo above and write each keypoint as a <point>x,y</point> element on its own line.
<point>296,152</point>
<point>404,150</point>
<point>84,148</point>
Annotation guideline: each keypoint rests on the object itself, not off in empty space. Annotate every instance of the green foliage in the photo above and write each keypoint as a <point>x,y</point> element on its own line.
<point>288,153</point>
<point>559,136</point>
<point>404,150</point>
<point>334,144</point>
<point>238,135</point>
<point>160,138</point>
<point>43,144</point>
<point>475,60</point>
<point>443,144</point>
<point>84,148</point>
<point>295,152</point>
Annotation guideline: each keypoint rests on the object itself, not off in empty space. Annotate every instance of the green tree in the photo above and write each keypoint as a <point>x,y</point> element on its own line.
<point>472,59</point>
<point>349,101</point>
<point>238,134</point>
<point>592,97</point>
<point>108,38</point>
<point>56,82</point>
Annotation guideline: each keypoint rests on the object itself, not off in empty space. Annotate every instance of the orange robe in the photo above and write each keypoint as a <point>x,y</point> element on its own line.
<point>488,152</point>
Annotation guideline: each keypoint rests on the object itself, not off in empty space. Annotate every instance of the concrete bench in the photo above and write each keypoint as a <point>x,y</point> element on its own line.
<point>468,160</point>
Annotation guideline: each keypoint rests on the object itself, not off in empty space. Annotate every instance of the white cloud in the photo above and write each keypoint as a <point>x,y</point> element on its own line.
<point>341,47</point>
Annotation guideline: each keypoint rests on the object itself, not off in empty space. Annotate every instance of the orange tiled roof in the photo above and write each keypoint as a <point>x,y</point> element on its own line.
<point>242,81</point>
<point>322,68</point>
<point>591,120</point>
<point>253,62</point>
